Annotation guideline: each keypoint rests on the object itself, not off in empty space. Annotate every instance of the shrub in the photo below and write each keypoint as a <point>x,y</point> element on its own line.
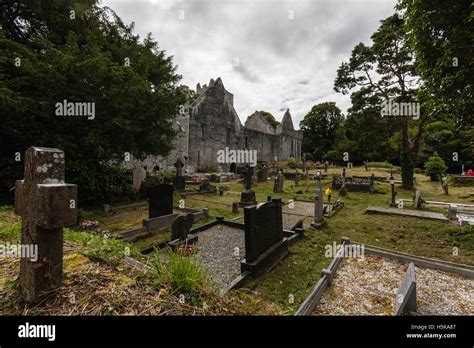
<point>292,163</point>
<point>309,156</point>
<point>435,167</point>
<point>330,156</point>
<point>180,273</point>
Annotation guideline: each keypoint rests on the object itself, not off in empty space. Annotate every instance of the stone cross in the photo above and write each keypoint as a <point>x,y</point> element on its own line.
<point>278,183</point>
<point>248,178</point>
<point>179,167</point>
<point>326,166</point>
<point>46,204</point>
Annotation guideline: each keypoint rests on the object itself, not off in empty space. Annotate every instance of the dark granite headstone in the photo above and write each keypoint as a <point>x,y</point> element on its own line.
<point>263,229</point>
<point>406,294</point>
<point>278,182</point>
<point>181,226</point>
<point>247,196</point>
<point>46,205</point>
<point>160,200</point>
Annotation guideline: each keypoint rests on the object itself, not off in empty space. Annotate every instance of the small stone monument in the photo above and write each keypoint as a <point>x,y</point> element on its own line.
<point>160,200</point>
<point>303,160</point>
<point>452,212</point>
<point>405,301</point>
<point>180,231</point>
<point>318,206</point>
<point>326,166</point>
<point>278,183</point>
<point>46,205</point>
<point>417,201</point>
<point>297,178</point>
<point>179,180</point>
<point>247,197</point>
<point>393,193</point>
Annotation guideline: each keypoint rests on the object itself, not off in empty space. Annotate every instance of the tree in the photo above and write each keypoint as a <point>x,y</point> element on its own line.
<point>95,58</point>
<point>440,34</point>
<point>320,127</point>
<point>384,72</point>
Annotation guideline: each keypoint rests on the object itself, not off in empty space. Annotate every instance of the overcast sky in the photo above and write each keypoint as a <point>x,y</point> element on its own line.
<point>271,54</point>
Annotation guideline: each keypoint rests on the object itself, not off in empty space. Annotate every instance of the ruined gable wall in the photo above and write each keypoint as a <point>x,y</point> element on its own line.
<point>214,124</point>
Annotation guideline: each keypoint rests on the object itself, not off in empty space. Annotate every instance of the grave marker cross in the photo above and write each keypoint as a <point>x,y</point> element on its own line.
<point>46,205</point>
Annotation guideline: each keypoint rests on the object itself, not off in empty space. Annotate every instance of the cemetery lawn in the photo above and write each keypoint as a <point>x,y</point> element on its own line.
<point>105,284</point>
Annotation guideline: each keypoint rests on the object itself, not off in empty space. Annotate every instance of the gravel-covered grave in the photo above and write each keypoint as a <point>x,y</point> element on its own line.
<point>216,250</point>
<point>368,286</point>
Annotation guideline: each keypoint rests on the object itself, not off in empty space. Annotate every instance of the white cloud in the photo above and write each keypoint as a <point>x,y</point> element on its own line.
<point>284,63</point>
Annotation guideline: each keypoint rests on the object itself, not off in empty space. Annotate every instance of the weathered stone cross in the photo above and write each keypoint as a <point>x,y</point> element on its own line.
<point>46,204</point>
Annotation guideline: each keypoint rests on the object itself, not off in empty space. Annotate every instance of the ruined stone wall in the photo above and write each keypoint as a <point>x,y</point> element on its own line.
<point>214,125</point>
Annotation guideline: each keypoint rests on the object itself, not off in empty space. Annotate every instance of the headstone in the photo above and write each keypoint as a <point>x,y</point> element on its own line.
<point>366,165</point>
<point>181,226</point>
<point>262,174</point>
<point>444,185</point>
<point>278,183</point>
<point>264,239</point>
<point>179,180</point>
<point>417,201</point>
<point>462,170</point>
<point>452,212</point>
<point>297,178</point>
<point>247,196</point>
<point>326,166</point>
<point>406,294</point>
<point>318,207</point>
<point>160,200</point>
<point>343,190</point>
<point>46,205</point>
<point>303,160</point>
<point>393,193</point>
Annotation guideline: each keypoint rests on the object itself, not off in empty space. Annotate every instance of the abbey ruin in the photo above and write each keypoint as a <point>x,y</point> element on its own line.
<point>210,123</point>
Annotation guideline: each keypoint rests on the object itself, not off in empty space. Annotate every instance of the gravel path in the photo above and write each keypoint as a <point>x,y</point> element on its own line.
<point>369,287</point>
<point>217,253</point>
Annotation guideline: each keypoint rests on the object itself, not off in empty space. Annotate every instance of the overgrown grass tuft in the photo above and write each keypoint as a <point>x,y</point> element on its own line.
<point>180,274</point>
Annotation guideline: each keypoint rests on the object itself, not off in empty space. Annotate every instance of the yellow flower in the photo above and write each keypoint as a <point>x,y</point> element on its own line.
<point>328,192</point>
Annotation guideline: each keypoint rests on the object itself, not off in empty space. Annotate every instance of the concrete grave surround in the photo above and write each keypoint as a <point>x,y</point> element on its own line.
<point>46,205</point>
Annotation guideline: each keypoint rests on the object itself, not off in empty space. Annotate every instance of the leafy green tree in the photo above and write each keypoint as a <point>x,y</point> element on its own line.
<point>320,128</point>
<point>441,36</point>
<point>50,54</point>
<point>381,72</point>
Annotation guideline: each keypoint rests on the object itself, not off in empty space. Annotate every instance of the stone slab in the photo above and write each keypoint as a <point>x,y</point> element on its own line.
<point>405,301</point>
<point>405,212</point>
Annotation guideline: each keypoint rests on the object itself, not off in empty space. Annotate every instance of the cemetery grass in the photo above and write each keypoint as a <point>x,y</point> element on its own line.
<point>280,291</point>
